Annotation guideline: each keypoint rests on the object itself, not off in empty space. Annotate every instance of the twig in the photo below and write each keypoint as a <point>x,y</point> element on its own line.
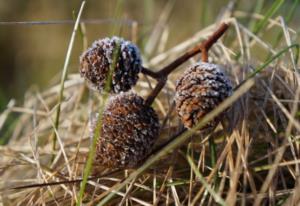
<point>150,73</point>
<point>161,83</point>
<point>162,75</point>
<point>197,49</point>
<point>63,182</point>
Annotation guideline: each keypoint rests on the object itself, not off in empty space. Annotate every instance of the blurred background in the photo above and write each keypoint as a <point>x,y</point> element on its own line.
<point>32,53</point>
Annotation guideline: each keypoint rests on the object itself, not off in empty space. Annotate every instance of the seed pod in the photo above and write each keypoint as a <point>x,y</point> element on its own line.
<point>199,90</point>
<point>129,130</point>
<point>96,62</point>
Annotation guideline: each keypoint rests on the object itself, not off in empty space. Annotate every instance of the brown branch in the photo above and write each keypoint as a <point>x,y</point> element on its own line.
<point>215,36</point>
<point>197,49</point>
<point>204,54</point>
<point>150,73</point>
<point>162,74</point>
<point>161,83</point>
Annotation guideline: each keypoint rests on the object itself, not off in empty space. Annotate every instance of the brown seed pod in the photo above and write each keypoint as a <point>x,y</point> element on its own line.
<point>129,130</point>
<point>96,61</point>
<point>199,90</point>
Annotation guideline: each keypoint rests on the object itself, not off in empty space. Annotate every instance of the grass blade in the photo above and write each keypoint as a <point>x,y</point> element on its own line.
<point>274,8</point>
<point>259,69</point>
<point>217,197</point>
<point>65,72</point>
<point>97,132</point>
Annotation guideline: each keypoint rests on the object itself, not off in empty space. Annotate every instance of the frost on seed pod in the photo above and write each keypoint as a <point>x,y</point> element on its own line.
<point>96,62</point>
<point>199,90</point>
<point>129,130</point>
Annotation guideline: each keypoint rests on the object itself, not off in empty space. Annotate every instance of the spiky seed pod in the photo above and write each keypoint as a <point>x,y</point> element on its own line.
<point>129,130</point>
<point>199,90</point>
<point>96,62</point>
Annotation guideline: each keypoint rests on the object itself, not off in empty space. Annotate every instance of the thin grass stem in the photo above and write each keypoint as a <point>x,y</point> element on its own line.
<point>97,132</point>
<point>64,74</point>
<point>216,197</point>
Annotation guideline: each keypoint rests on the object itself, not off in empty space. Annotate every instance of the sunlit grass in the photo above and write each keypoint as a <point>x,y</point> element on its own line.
<point>252,156</point>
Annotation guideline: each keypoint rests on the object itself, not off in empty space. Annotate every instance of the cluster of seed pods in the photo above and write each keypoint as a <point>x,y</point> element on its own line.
<point>130,126</point>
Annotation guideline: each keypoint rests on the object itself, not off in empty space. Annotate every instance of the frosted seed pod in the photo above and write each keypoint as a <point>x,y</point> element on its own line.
<point>201,88</point>
<point>129,130</point>
<point>96,61</point>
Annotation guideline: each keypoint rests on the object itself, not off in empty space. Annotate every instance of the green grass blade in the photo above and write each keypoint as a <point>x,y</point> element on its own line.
<point>213,159</point>
<point>65,71</point>
<point>6,134</point>
<point>274,8</point>
<point>287,20</point>
<point>259,69</point>
<point>216,197</point>
<point>261,24</point>
<point>204,10</point>
<point>97,132</point>
<point>257,9</point>
<point>117,28</point>
<point>82,33</point>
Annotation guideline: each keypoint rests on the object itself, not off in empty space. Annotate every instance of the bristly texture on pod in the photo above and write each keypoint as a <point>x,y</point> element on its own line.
<point>199,90</point>
<point>129,130</point>
<point>96,62</point>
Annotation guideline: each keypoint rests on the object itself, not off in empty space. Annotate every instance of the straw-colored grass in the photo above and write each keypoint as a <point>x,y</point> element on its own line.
<point>257,153</point>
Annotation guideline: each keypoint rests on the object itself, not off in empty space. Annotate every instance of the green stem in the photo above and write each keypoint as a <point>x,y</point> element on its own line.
<point>64,74</point>
<point>213,159</point>
<point>259,69</point>
<point>287,19</point>
<point>257,9</point>
<point>216,196</point>
<point>260,25</point>
<point>274,8</point>
<point>213,151</point>
<point>262,67</point>
<point>97,132</point>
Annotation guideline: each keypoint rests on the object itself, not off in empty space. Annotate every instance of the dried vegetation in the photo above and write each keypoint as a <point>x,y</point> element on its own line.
<point>251,158</point>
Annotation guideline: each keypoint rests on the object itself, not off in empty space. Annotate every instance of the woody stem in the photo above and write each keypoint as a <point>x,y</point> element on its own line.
<point>162,75</point>
<point>204,54</point>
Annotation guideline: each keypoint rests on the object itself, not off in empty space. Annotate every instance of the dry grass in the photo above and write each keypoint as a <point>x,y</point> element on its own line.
<point>257,145</point>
